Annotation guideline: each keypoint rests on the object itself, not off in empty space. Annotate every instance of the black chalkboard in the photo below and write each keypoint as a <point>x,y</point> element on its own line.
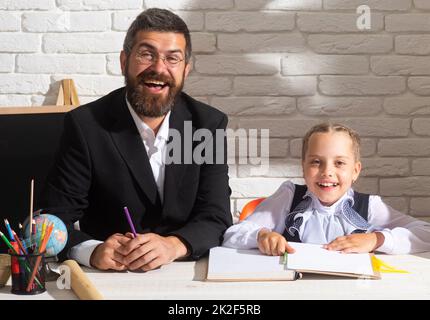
<point>28,143</point>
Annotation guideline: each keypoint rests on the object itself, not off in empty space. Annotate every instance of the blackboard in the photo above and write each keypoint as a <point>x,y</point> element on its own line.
<point>28,142</point>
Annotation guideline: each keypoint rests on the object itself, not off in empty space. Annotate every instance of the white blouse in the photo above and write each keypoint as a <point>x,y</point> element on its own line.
<point>321,225</point>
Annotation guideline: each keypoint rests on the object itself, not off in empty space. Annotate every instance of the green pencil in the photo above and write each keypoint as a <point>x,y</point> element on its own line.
<point>7,242</point>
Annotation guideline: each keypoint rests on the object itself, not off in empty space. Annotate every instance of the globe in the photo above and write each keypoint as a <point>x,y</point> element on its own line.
<point>57,240</point>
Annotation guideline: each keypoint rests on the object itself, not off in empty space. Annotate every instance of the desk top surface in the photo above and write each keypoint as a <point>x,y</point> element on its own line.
<point>186,281</point>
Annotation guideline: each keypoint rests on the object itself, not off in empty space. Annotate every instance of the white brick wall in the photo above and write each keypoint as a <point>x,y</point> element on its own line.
<point>283,65</point>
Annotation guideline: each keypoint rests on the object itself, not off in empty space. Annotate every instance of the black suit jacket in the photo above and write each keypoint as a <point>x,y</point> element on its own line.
<point>102,166</point>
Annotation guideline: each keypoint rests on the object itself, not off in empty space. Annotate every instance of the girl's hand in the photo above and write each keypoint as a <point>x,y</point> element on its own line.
<point>273,243</point>
<point>358,243</point>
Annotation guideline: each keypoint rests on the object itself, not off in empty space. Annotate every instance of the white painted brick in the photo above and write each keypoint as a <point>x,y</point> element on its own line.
<point>400,65</point>
<point>250,64</point>
<point>411,186</point>
<point>413,44</point>
<point>335,107</point>
<point>27,4</point>
<point>363,85</point>
<point>400,204</point>
<point>299,64</point>
<point>123,19</point>
<point>351,43</point>
<point>99,5</point>
<point>53,63</point>
<point>280,127</point>
<point>247,106</point>
<point>92,85</point>
<point>189,5</point>
<point>420,207</point>
<point>366,185</point>
<point>199,85</point>
<point>368,147</point>
<point>422,4</point>
<point>412,147</point>
<point>83,42</point>
<point>419,85</point>
<point>277,169</point>
<point>407,105</point>
<point>66,21</point>
<point>15,100</point>
<point>421,126</point>
<point>203,42</point>
<point>6,63</point>
<point>335,22</point>
<point>195,20</point>
<point>278,4</point>
<point>273,42</point>
<point>407,22</point>
<point>278,148</point>
<point>47,99</point>
<point>254,187</point>
<point>421,167</point>
<point>289,86</point>
<point>240,21</point>
<point>87,99</point>
<point>296,148</point>
<point>19,42</point>
<point>9,22</point>
<point>377,127</point>
<point>113,64</point>
<point>373,4</point>
<point>385,167</point>
<point>24,84</point>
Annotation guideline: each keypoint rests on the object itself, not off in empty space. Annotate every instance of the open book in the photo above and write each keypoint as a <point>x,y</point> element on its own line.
<point>226,264</point>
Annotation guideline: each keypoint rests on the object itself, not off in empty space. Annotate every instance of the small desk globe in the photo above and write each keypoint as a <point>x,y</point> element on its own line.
<point>58,238</point>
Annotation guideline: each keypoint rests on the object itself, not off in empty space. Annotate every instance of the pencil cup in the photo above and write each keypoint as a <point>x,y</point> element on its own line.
<point>28,273</point>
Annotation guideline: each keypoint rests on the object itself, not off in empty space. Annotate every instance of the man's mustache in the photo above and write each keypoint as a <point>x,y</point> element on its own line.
<point>152,75</point>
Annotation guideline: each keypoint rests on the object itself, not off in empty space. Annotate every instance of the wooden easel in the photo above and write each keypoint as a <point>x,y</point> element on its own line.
<point>67,94</point>
<point>67,100</point>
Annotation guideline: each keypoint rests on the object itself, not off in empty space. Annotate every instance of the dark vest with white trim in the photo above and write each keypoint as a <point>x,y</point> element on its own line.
<point>361,205</point>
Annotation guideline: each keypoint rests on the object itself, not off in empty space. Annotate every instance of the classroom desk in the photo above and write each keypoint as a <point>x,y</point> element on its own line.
<point>186,281</point>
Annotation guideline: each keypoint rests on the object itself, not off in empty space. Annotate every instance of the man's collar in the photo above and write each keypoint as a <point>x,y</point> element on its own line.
<point>163,132</point>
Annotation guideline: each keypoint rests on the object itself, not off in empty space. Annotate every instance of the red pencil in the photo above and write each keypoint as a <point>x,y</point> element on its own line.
<point>39,258</point>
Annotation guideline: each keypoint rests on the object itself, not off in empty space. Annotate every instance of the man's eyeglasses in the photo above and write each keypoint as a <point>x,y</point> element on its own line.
<point>148,58</point>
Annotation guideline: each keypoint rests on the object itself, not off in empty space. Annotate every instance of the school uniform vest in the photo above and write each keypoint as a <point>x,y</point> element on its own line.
<point>361,206</point>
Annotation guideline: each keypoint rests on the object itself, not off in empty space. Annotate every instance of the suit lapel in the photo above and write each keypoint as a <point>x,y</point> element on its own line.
<point>174,172</point>
<point>130,145</point>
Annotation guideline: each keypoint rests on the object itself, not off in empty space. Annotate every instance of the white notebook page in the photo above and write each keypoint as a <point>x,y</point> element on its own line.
<point>314,257</point>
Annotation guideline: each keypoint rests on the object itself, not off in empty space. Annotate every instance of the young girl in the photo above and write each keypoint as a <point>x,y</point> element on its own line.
<point>327,210</point>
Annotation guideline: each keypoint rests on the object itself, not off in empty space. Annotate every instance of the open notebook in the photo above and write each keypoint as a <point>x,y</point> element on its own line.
<point>226,264</point>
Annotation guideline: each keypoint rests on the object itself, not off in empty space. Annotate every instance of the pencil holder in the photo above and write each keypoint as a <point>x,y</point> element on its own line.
<point>28,273</point>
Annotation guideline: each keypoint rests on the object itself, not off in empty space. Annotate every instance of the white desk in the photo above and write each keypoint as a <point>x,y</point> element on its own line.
<point>186,281</point>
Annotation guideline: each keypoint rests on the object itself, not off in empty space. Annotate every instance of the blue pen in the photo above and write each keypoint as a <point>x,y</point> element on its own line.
<point>9,230</point>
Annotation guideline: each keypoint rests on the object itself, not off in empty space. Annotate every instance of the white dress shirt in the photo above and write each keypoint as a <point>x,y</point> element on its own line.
<point>156,148</point>
<point>321,225</point>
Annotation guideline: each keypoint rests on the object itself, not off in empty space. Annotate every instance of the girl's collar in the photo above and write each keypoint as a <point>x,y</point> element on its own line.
<point>316,203</point>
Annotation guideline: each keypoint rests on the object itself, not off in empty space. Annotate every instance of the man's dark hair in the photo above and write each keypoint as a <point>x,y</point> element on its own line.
<point>155,19</point>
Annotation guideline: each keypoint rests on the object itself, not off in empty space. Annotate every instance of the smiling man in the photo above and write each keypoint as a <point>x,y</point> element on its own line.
<point>112,155</point>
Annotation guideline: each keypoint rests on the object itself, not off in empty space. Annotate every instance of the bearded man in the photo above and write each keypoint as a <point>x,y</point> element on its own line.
<point>112,155</point>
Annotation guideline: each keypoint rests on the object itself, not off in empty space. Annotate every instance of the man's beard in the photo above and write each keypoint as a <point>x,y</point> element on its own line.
<point>146,104</point>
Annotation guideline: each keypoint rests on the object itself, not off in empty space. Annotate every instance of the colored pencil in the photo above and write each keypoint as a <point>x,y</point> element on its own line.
<point>127,214</point>
<point>9,230</point>
<point>39,258</point>
<point>30,222</point>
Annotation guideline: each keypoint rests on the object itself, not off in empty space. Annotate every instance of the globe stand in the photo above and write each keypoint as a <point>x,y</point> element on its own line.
<point>51,275</point>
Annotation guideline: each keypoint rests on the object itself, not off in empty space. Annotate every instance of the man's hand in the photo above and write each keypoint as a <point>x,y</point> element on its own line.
<point>149,251</point>
<point>358,243</point>
<point>106,256</point>
<point>272,243</point>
